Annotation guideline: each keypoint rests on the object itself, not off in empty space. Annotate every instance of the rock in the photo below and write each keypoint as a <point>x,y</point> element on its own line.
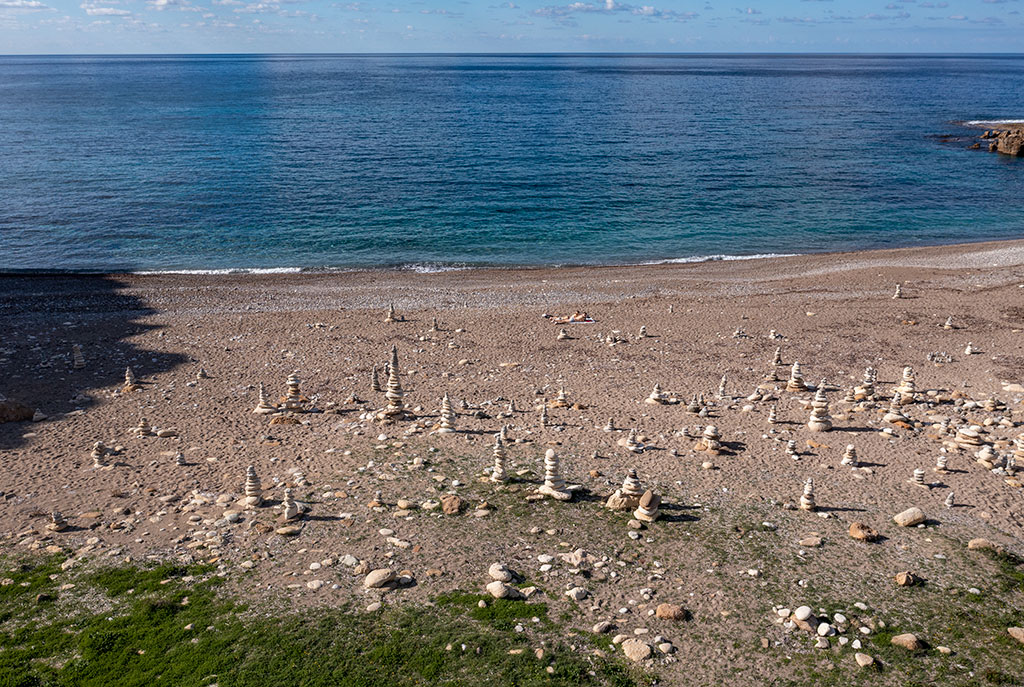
<point>810,542</point>
<point>577,593</point>
<point>824,629</point>
<point>379,578</point>
<point>1017,633</point>
<point>289,530</point>
<point>981,544</point>
<point>451,504</point>
<point>1009,142</point>
<point>636,650</point>
<point>863,660</point>
<point>802,613</point>
<point>907,579</point>
<point>603,627</point>
<point>909,518</point>
<point>315,584</point>
<point>908,641</point>
<point>500,572</point>
<point>666,647</point>
<point>12,411</point>
<point>670,612</point>
<point>862,532</point>
<point>500,590</point>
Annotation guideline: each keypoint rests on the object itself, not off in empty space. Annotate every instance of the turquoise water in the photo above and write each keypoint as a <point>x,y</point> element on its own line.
<point>208,163</point>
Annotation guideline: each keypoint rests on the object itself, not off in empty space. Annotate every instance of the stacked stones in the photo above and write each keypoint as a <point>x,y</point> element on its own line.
<point>643,332</point>
<point>77,359</point>
<point>143,429</point>
<point>253,489</point>
<point>390,316</point>
<point>447,417</point>
<point>394,394</point>
<point>561,401</point>
<point>773,416</point>
<point>562,335</point>
<point>293,399</point>
<point>202,374</point>
<point>179,458</point>
<point>99,453</point>
<point>658,397</point>
<point>554,486</point>
<point>710,441</point>
<point>130,381</point>
<point>632,443</point>
<point>544,415</point>
<point>941,463</point>
<point>899,292</point>
<point>264,406</point>
<point>57,522</point>
<point>375,380</point>
<point>907,389</point>
<point>948,323</point>
<point>627,497</point>
<point>820,420</point>
<point>796,379</point>
<point>970,350</point>
<point>610,426</point>
<point>291,509</point>
<point>918,479</point>
<point>791,449</point>
<point>866,390</point>
<point>968,437</point>
<point>648,508</point>
<point>499,474</point>
<point>894,414</point>
<point>696,405</point>
<point>807,498</point>
<point>721,387</point>
<point>777,358</point>
<point>850,456</point>
<point>433,325</point>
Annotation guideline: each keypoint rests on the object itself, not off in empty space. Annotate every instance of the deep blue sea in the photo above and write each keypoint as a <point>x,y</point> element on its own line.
<point>278,161</point>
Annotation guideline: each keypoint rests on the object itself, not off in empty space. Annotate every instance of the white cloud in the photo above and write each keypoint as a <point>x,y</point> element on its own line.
<point>94,10</point>
<point>29,5</point>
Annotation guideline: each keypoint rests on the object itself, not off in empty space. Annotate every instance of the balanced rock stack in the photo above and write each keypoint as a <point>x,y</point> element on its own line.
<point>866,390</point>
<point>642,334</point>
<point>968,437</point>
<point>447,425</point>
<point>131,383</point>
<point>394,394</point>
<point>918,479</point>
<point>179,458</point>
<point>202,374</point>
<point>850,456</point>
<point>627,497</point>
<point>610,426</point>
<point>144,429</point>
<point>899,292</point>
<point>499,474</point>
<point>632,442</point>
<point>375,380</point>
<point>562,335</point>
<point>657,397</point>
<point>294,399</point>
<point>390,316</point>
<point>807,498</point>
<point>894,414</point>
<point>253,489</point>
<point>777,358</point>
<point>796,379</point>
<point>57,522</point>
<point>544,415</point>
<point>791,449</point>
<point>695,406</point>
<point>773,417</point>
<point>941,463</point>
<point>907,388</point>
<point>290,508</point>
<point>77,359</point>
<point>820,420</point>
<point>648,508</point>
<point>554,486</point>
<point>99,454</point>
<point>721,386</point>
<point>948,324</point>
<point>561,401</point>
<point>264,406</point>
<point>710,441</point>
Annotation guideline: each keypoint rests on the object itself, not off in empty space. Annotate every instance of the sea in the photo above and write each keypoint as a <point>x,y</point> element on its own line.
<point>220,163</point>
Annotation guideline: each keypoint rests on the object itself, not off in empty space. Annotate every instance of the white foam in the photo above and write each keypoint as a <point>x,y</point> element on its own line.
<point>993,122</point>
<point>229,270</point>
<point>717,258</point>
<point>431,268</point>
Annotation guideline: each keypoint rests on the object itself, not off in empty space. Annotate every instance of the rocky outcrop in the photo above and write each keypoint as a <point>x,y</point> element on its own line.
<point>12,411</point>
<point>1007,141</point>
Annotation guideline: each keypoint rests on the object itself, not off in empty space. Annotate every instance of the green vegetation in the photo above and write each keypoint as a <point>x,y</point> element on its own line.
<point>167,625</point>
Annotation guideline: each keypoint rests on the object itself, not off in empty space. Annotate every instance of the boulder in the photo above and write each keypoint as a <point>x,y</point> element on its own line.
<point>908,641</point>
<point>981,544</point>
<point>907,579</point>
<point>636,650</point>
<point>451,504</point>
<point>862,532</point>
<point>379,578</point>
<point>863,660</point>
<point>670,612</point>
<point>500,590</point>
<point>500,572</point>
<point>12,411</point>
<point>909,518</point>
<point>1017,633</point>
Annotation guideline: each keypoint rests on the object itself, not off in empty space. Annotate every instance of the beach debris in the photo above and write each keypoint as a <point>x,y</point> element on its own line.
<point>648,508</point>
<point>264,406</point>
<point>447,416</point>
<point>554,486</point>
<point>57,522</point>
<point>77,359</point>
<point>850,456</point>
<point>253,490</point>
<point>710,440</point>
<point>143,429</point>
<point>807,498</point>
<point>131,383</point>
<point>626,497</point>
<point>499,473</point>
<point>796,379</point>
<point>899,292</point>
<point>820,420</point>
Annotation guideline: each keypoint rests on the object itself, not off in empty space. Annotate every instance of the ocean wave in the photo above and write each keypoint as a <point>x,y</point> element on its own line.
<point>432,268</point>
<point>993,122</point>
<point>719,258</point>
<point>229,270</point>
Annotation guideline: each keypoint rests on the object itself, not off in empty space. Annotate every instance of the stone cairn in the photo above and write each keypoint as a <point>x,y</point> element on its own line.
<point>970,349</point>
<point>77,359</point>
<point>554,486</point>
<point>253,489</point>
<point>291,509</point>
<point>648,508</point>
<point>721,387</point>
<point>293,399</point>
<point>499,473</point>
<point>264,406</point>
<point>866,390</point>
<point>394,394</point>
<point>820,420</point>
<point>772,375</point>
<point>894,414</point>
<point>968,437</point>
<point>99,454</point>
<point>511,409</point>
<point>632,443</point>
<point>202,374</point>
<point>657,397</point>
<point>807,498</point>
<point>561,401</point>
<point>791,449</point>
<point>899,292</point>
<point>918,479</point>
<point>544,415</point>
<point>433,325</point>
<point>696,405</point>
<point>627,497</point>
<point>773,416</point>
<point>850,456</point>
<point>907,388</point>
<point>562,335</point>
<point>987,457</point>
<point>390,316</point>
<point>375,380</point>
<point>131,383</point>
<point>710,440</point>
<point>777,358</point>
<point>948,324</point>
<point>179,458</point>
<point>642,333</point>
<point>941,463</point>
<point>609,426</point>
<point>57,522</point>
<point>143,429</point>
<point>447,425</point>
<point>796,379</point>
<point>950,502</point>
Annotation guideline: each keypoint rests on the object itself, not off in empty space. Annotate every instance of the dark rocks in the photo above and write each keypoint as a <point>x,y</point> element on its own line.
<point>12,411</point>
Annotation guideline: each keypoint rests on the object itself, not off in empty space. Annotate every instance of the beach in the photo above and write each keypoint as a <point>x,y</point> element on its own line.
<point>497,340</point>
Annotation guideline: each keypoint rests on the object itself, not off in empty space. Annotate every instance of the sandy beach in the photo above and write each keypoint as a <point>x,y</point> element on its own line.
<point>726,547</point>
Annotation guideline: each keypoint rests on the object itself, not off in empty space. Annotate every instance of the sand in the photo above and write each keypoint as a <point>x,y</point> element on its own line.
<point>834,312</point>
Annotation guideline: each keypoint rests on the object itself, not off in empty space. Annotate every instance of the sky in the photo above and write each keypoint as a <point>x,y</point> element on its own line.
<point>516,26</point>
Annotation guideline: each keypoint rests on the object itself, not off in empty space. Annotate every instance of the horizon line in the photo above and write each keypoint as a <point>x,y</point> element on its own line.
<point>527,54</point>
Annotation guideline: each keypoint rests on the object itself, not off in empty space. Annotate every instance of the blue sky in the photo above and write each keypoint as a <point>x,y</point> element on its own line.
<point>160,26</point>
